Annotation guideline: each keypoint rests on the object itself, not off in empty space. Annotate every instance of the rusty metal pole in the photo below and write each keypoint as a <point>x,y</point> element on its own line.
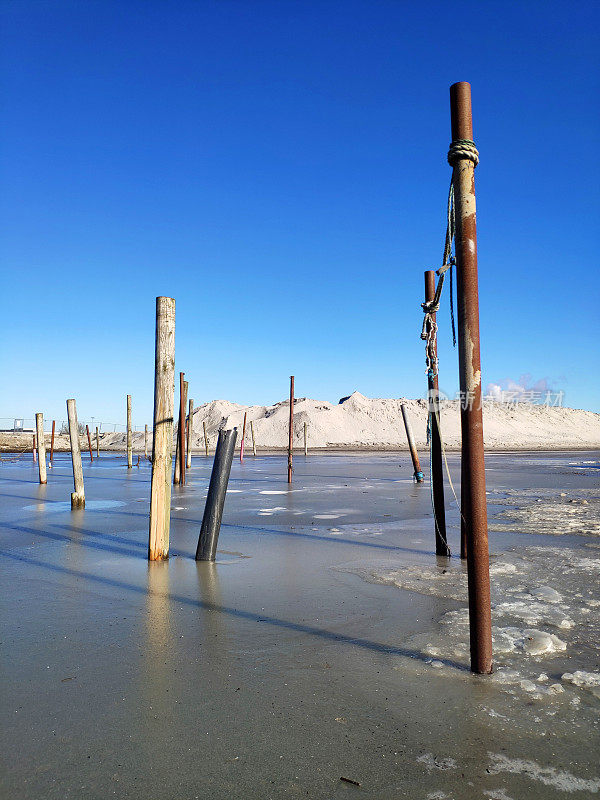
<point>243,437</point>
<point>437,469</point>
<point>418,474</point>
<point>52,442</point>
<point>181,430</point>
<point>474,507</point>
<point>291,429</point>
<point>87,430</point>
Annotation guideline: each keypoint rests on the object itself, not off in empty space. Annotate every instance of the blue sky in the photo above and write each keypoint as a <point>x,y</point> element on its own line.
<point>280,169</point>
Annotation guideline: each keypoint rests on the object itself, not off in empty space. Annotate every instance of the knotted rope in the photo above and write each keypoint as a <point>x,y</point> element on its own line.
<point>461,149</point>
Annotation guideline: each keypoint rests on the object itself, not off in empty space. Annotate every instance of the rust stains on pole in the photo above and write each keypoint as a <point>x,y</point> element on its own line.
<point>181,431</point>
<point>437,470</point>
<point>52,442</point>
<point>463,157</point>
<point>291,429</point>
<point>87,430</point>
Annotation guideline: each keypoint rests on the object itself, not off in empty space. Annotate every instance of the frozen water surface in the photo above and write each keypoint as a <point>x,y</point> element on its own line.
<point>308,652</point>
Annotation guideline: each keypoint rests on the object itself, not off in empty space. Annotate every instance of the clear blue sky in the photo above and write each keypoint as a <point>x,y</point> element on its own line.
<point>280,169</point>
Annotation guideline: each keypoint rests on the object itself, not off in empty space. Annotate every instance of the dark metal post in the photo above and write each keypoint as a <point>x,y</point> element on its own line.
<point>181,430</point>
<point>437,470</point>
<point>87,430</point>
<point>474,507</point>
<point>215,500</point>
<point>52,442</point>
<point>418,475</point>
<point>291,430</point>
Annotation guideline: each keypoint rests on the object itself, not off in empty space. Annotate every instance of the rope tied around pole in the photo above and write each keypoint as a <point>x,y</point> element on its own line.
<point>461,149</point>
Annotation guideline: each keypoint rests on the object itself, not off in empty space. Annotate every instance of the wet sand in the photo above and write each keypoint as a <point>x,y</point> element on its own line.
<point>280,669</point>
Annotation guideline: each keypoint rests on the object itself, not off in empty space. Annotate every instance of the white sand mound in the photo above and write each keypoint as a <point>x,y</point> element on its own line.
<point>363,422</point>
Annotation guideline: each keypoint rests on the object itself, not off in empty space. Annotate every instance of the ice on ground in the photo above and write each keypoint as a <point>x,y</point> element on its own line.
<point>432,762</point>
<point>549,776</point>
<point>585,680</point>
<point>545,511</point>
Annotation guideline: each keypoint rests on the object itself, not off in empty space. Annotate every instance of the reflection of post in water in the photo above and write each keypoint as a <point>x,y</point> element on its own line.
<point>214,630</point>
<point>158,646</point>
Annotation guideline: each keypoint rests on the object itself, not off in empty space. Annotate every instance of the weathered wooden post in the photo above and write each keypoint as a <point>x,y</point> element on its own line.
<point>291,430</point>
<point>463,158</point>
<point>190,426</point>
<point>78,496</point>
<point>437,468</point>
<point>305,441</point>
<point>87,430</point>
<point>418,475</point>
<point>129,436</point>
<point>145,441</point>
<point>34,448</point>
<point>215,499</point>
<point>162,435</point>
<point>253,439</point>
<point>243,437</point>
<point>97,443</point>
<point>39,426</point>
<point>205,439</point>
<point>52,442</point>
<point>178,472</point>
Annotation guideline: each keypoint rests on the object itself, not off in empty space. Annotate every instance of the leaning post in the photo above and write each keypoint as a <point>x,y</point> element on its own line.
<point>437,468</point>
<point>463,158</point>
<point>291,430</point>
<point>190,425</point>
<point>162,435</point>
<point>39,427</point>
<point>89,438</point>
<point>129,435</point>
<point>215,499</point>
<point>78,496</point>
<point>417,472</point>
<point>253,439</point>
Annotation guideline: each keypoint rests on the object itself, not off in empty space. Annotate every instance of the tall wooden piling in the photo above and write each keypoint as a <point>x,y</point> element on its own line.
<point>162,435</point>
<point>305,440</point>
<point>97,443</point>
<point>145,441</point>
<point>417,473</point>
<point>39,427</point>
<point>463,158</point>
<point>243,437</point>
<point>190,432</point>
<point>129,435</point>
<point>78,496</point>
<point>178,472</point>
<point>291,430</point>
<point>34,448</point>
<point>437,468</point>
<point>253,439</point>
<point>205,439</point>
<point>89,438</point>
<point>52,443</point>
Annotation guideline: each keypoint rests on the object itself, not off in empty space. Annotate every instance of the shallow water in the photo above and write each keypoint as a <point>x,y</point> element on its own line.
<point>295,660</point>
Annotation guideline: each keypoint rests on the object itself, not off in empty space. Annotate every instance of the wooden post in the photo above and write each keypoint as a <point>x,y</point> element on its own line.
<point>145,441</point>
<point>87,430</point>
<point>34,448</point>
<point>129,436</point>
<point>190,426</point>
<point>253,440</point>
<point>52,443</point>
<point>78,496</point>
<point>243,437</point>
<point>463,158</point>
<point>179,460</point>
<point>205,439</point>
<point>162,436</point>
<point>305,441</point>
<point>437,468</point>
<point>291,430</point>
<point>97,443</point>
<point>39,426</point>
